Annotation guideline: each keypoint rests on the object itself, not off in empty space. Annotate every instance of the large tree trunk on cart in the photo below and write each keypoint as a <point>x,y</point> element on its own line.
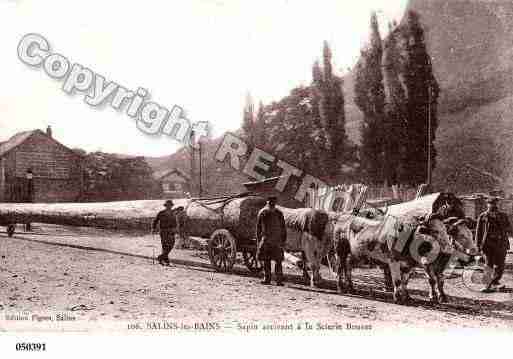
<point>237,215</point>
<point>201,217</point>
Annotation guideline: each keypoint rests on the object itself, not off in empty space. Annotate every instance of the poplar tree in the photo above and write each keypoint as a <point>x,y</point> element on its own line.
<point>259,127</point>
<point>248,121</point>
<point>370,99</point>
<point>423,92</point>
<point>395,125</point>
<point>329,98</point>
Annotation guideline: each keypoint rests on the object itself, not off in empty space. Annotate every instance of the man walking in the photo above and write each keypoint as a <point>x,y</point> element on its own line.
<point>168,228</point>
<point>271,236</point>
<point>492,231</point>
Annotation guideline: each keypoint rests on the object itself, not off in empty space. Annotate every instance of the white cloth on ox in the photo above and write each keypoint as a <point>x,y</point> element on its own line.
<point>366,240</point>
<point>381,240</point>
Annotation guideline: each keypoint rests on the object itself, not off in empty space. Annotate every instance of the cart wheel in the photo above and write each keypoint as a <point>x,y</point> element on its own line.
<point>10,230</point>
<point>222,250</point>
<point>251,262</point>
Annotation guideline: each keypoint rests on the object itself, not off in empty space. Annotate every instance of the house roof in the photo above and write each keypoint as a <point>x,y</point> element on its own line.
<point>20,137</point>
<point>15,141</point>
<point>160,175</point>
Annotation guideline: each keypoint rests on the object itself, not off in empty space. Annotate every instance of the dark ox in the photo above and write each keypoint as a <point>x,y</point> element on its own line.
<point>306,233</point>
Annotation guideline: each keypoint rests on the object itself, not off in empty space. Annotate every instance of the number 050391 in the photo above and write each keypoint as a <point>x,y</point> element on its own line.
<point>31,347</point>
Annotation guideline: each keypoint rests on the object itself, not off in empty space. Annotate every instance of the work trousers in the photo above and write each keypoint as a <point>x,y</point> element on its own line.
<point>495,258</point>
<point>278,271</point>
<point>167,239</point>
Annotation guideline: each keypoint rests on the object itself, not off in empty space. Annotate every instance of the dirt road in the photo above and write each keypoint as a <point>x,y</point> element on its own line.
<point>51,275</point>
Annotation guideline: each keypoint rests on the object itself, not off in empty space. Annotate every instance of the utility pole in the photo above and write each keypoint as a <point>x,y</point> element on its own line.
<point>192,153</point>
<point>429,139</point>
<point>200,165</point>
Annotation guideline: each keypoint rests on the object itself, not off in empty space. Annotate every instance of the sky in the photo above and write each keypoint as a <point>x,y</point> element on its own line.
<point>201,55</point>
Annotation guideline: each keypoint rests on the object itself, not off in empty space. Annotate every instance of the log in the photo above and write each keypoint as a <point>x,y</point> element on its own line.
<point>200,217</point>
<point>238,215</point>
<point>428,204</point>
<point>419,207</point>
<point>126,215</point>
<point>410,210</point>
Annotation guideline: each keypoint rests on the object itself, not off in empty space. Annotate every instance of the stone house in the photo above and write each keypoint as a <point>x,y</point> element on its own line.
<point>175,183</point>
<point>34,167</point>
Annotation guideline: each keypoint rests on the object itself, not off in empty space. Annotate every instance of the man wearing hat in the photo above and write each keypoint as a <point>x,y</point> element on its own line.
<point>271,235</point>
<point>492,231</point>
<point>168,228</point>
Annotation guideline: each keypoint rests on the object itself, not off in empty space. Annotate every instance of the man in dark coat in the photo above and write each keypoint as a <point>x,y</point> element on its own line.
<point>168,223</point>
<point>271,235</point>
<point>492,231</point>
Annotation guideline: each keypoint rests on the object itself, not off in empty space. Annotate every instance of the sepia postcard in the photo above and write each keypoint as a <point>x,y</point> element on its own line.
<point>244,169</point>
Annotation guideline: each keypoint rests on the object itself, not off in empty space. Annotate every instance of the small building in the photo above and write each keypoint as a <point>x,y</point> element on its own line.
<point>174,183</point>
<point>34,167</point>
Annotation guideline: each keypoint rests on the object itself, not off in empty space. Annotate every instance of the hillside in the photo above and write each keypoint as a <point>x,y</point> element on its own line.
<point>471,44</point>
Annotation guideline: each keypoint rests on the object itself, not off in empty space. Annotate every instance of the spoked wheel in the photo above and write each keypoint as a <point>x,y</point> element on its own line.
<point>10,230</point>
<point>251,262</point>
<point>222,250</point>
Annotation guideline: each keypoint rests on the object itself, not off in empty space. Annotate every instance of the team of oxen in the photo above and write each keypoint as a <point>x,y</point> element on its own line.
<point>396,243</point>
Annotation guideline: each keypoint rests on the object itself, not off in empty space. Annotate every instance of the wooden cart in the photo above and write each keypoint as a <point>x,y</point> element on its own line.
<point>223,248</point>
<point>229,223</point>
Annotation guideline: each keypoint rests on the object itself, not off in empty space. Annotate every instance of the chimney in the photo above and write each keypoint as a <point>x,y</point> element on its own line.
<point>49,131</point>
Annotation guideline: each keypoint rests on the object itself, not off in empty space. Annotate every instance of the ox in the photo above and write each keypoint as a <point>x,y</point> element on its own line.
<point>462,248</point>
<point>431,250</point>
<point>398,248</point>
<point>356,238</point>
<point>306,233</point>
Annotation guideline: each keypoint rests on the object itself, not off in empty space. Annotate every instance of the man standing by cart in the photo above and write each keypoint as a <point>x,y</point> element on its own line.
<point>168,223</point>
<point>271,236</point>
<point>492,231</point>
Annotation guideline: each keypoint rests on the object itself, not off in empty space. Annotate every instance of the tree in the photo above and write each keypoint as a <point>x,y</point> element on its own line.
<point>395,125</point>
<point>329,97</point>
<point>248,121</point>
<point>370,98</point>
<point>108,177</point>
<point>423,91</point>
<point>259,127</point>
